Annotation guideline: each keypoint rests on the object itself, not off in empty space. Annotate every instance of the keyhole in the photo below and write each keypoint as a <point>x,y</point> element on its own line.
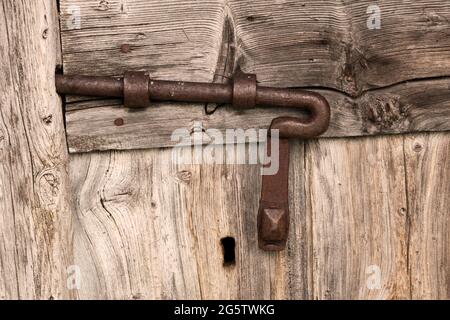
<point>228,247</point>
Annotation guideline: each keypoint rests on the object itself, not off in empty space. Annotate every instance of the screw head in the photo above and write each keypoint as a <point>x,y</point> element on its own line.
<point>119,122</point>
<point>125,48</point>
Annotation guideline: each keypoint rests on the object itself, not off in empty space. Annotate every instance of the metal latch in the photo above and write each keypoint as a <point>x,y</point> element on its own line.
<point>138,90</point>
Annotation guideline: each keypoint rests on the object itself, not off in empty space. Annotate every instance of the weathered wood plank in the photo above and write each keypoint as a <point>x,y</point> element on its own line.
<point>318,43</point>
<point>297,260</point>
<point>328,43</point>
<point>324,44</point>
<point>137,244</point>
<point>428,179</point>
<point>35,206</point>
<point>170,39</point>
<point>149,228</point>
<point>357,200</point>
<point>409,107</point>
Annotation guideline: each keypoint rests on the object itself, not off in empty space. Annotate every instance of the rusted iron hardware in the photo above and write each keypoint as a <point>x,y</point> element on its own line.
<point>138,90</point>
<point>273,214</point>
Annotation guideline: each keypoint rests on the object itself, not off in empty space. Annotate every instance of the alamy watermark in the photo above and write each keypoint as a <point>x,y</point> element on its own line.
<point>374,20</point>
<point>74,20</point>
<point>73,277</point>
<point>373,281</point>
<point>234,146</point>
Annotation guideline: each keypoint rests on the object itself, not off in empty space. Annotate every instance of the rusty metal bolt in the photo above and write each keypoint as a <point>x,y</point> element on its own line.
<point>273,214</point>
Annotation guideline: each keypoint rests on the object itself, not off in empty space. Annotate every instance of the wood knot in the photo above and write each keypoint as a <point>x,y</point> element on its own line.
<point>48,185</point>
<point>48,119</point>
<point>434,19</point>
<point>353,64</point>
<point>137,296</point>
<point>103,5</point>
<point>140,36</point>
<point>45,33</point>
<point>417,147</point>
<point>184,176</point>
<point>2,139</point>
<point>384,114</point>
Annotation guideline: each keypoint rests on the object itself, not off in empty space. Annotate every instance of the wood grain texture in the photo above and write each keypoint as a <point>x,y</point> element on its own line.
<point>148,228</point>
<point>428,179</point>
<point>357,200</point>
<point>327,43</point>
<point>323,45</point>
<point>410,107</point>
<point>136,243</point>
<point>35,206</point>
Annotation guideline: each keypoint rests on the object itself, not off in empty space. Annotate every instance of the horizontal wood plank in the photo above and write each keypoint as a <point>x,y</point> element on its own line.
<point>325,45</point>
<point>409,107</point>
<point>322,43</point>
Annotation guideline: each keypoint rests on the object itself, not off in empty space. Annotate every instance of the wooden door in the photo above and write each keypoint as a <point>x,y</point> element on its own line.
<point>81,196</point>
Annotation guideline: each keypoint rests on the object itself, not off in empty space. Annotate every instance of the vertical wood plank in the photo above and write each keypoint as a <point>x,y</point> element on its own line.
<point>35,215</point>
<point>148,227</point>
<point>295,276</point>
<point>428,179</point>
<point>357,199</point>
<point>130,223</point>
